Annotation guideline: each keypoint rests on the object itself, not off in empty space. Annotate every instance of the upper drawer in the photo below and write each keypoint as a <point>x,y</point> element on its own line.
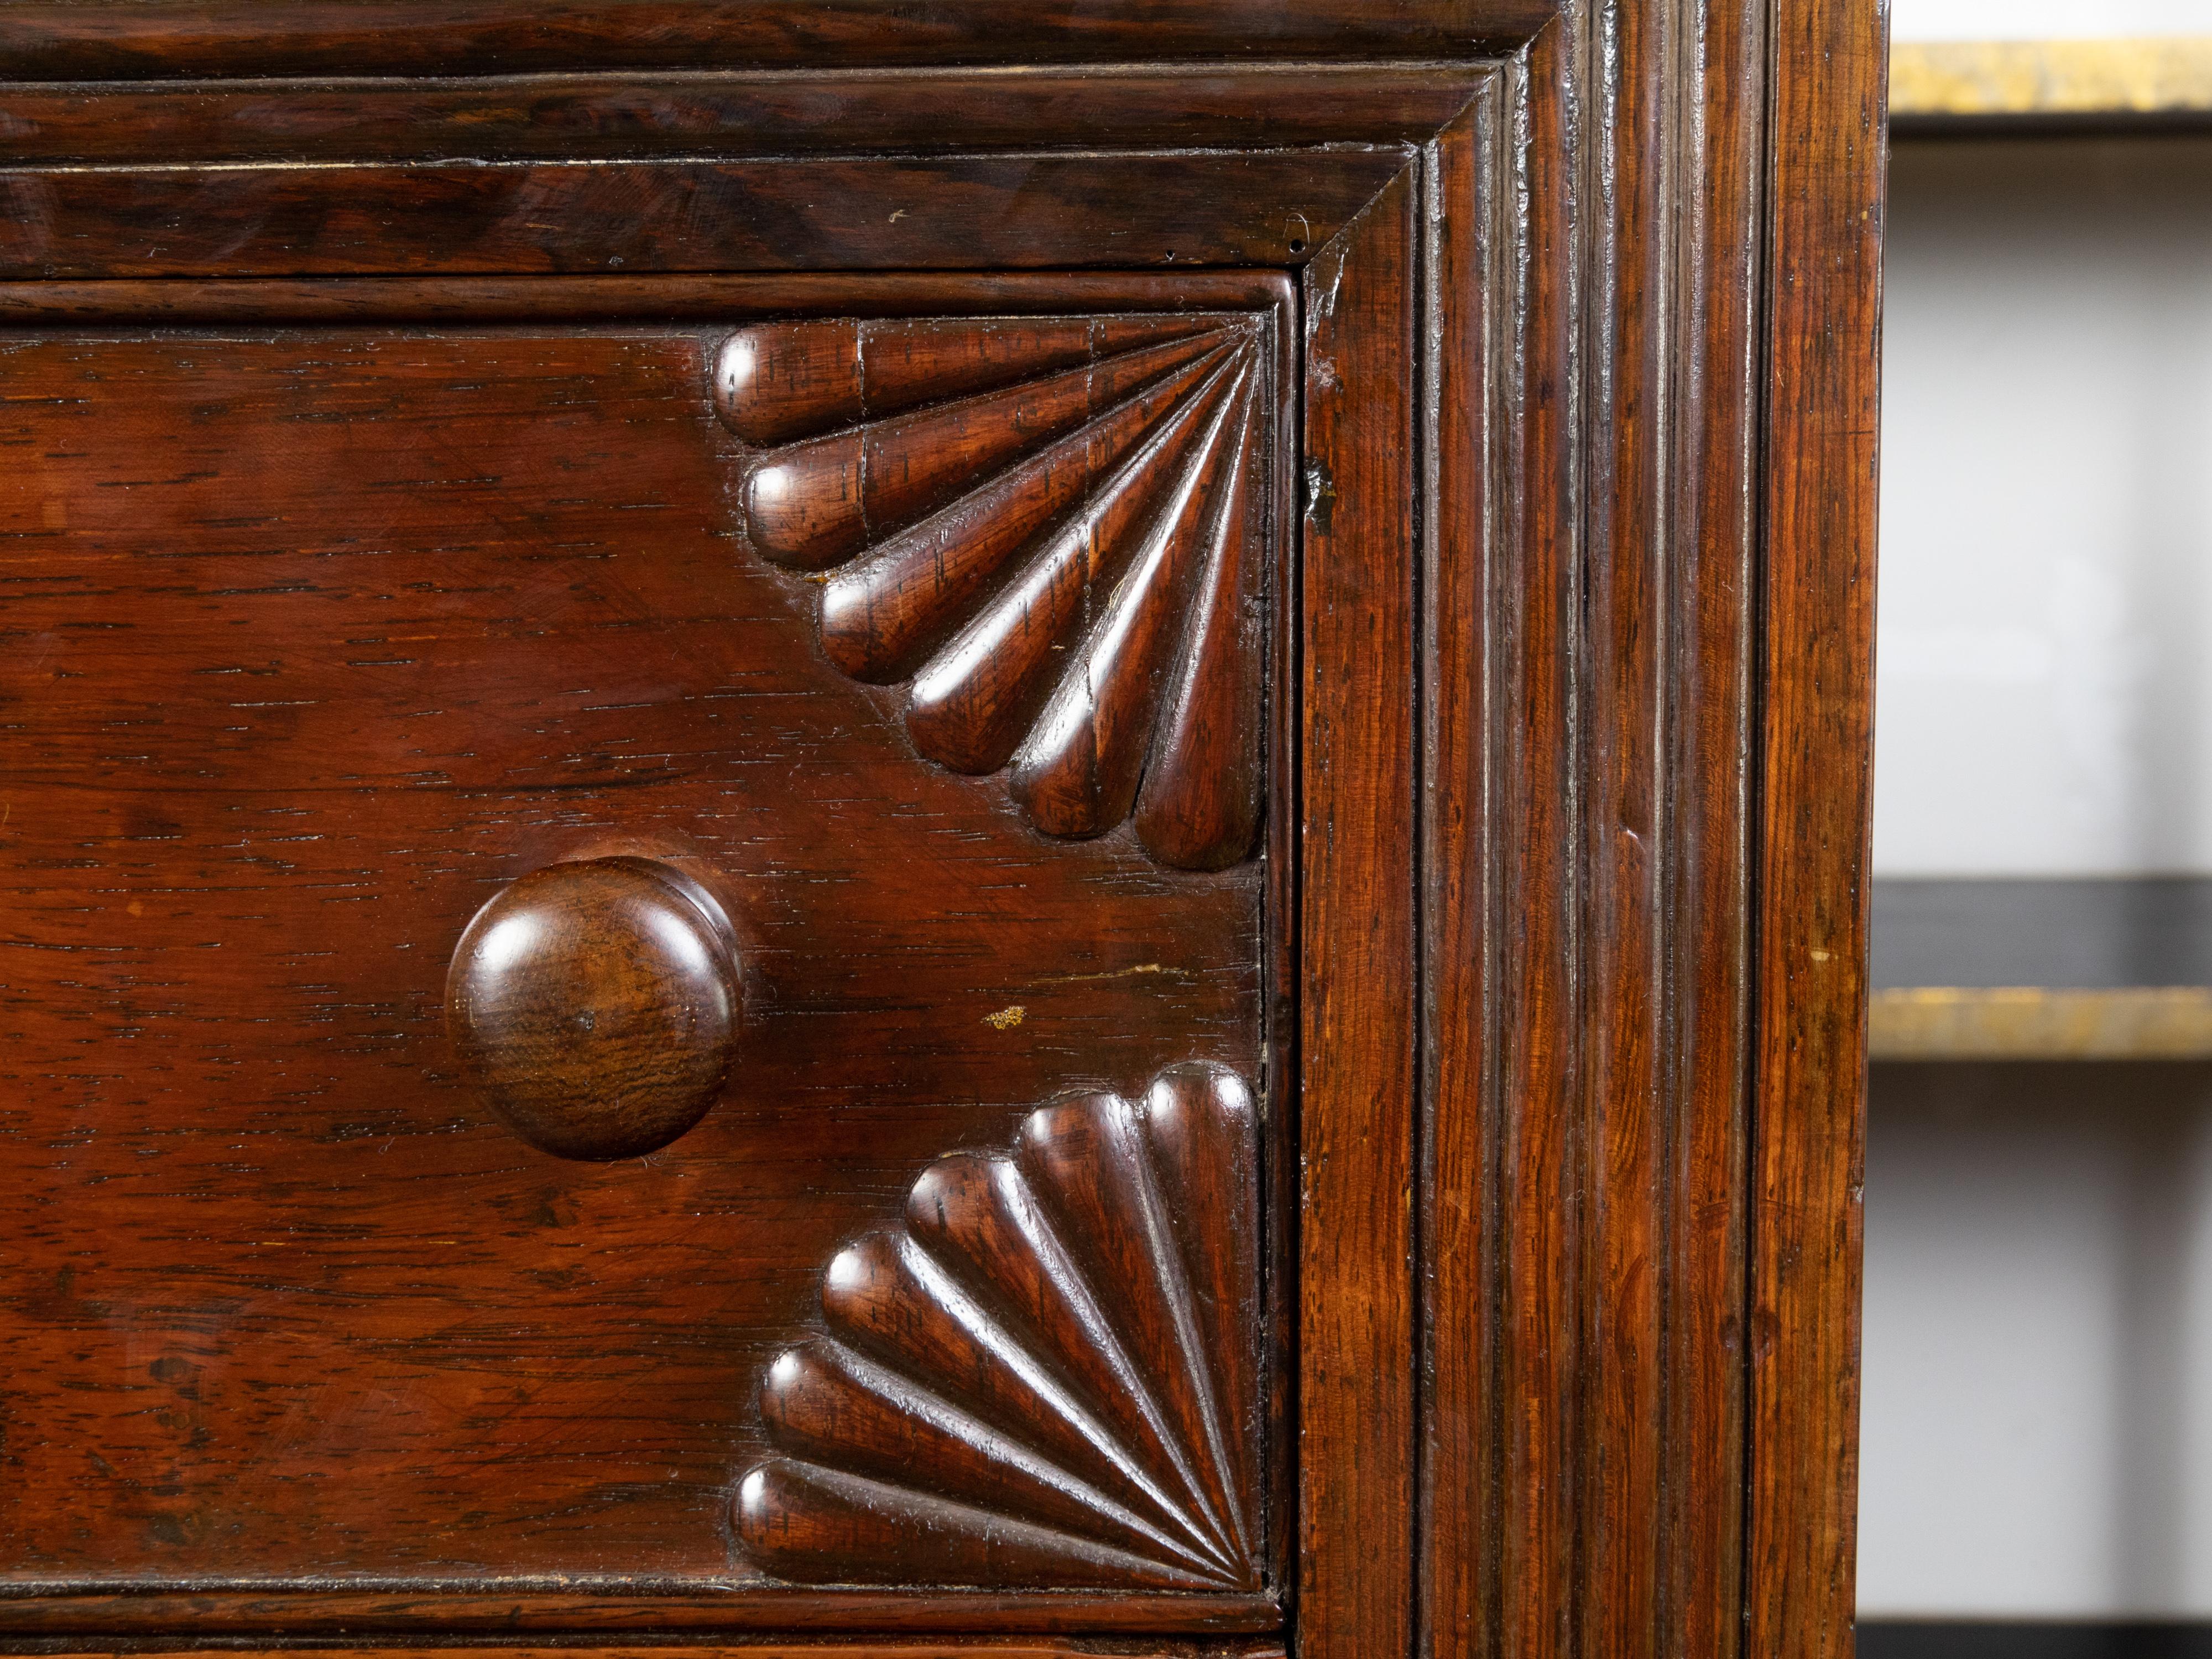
<point>850,735</point>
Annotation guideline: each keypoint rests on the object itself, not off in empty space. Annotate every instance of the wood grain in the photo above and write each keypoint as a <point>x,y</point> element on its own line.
<point>1670,560</point>
<point>732,114</point>
<point>613,1606</point>
<point>55,40</point>
<point>1356,1114</point>
<point>1542,1373</point>
<point>1711,360</point>
<point>595,1005</point>
<point>1055,534</point>
<point>1468,271</point>
<point>1047,1376</point>
<point>271,747</point>
<point>1587,899</point>
<point>724,299</point>
<point>1021,212</point>
<point>1019,1647</point>
<point>1827,142</point>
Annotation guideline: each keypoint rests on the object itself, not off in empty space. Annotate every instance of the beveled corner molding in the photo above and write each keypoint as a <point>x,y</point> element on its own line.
<point>1047,1376</point>
<point>1053,532</point>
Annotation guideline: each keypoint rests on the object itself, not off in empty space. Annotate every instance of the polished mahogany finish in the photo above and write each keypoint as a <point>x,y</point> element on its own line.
<point>59,40</point>
<point>525,642</point>
<point>595,1006</point>
<point>1048,1376</point>
<point>1140,725</point>
<point>1053,533</point>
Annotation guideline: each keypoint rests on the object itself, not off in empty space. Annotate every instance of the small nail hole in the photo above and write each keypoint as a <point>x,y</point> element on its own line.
<point>1297,245</point>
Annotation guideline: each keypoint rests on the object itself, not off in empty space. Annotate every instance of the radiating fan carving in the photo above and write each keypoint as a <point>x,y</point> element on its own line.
<point>1048,1378</point>
<point>1052,531</point>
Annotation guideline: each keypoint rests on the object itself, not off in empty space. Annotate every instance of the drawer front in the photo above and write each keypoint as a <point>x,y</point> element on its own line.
<point>644,953</point>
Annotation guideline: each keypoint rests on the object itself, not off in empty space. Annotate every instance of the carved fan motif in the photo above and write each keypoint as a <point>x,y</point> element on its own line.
<point>1052,530</point>
<point>1048,1378</point>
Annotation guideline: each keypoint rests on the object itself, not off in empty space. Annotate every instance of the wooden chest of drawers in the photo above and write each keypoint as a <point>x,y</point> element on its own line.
<point>961,828</point>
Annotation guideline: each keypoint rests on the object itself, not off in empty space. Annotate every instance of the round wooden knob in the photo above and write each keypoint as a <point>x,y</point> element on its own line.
<point>595,1006</point>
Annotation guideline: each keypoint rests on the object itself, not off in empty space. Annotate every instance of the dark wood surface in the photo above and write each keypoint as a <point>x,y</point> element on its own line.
<point>722,300</point>
<point>56,40</point>
<point>1587,887</point>
<point>584,1611</point>
<point>1355,933</point>
<point>1011,1647</point>
<point>1131,209</point>
<point>1048,1373</point>
<point>1827,150</point>
<point>594,1004</point>
<point>738,113</point>
<point>1324,544</point>
<point>302,734</point>
<point>1123,466</point>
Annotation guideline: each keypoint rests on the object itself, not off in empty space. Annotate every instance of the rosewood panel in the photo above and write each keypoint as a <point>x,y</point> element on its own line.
<point>575,1610</point>
<point>302,734</point>
<point>1019,212</point>
<point>1356,930</point>
<point>55,40</point>
<point>1256,618</point>
<point>1053,535</point>
<point>1018,1647</point>
<point>732,114</point>
<point>1829,149</point>
<point>724,299</point>
<point>1048,1373</point>
<point>1671,559</point>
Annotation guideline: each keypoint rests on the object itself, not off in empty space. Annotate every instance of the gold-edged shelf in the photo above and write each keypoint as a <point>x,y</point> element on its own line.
<point>1991,85</point>
<point>2100,968</point>
<point>2041,1023</point>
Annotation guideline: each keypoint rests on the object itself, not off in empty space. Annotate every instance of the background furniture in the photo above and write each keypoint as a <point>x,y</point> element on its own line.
<point>2037,1184</point>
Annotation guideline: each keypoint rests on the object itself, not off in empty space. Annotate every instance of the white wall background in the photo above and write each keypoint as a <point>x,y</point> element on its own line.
<point>2037,1437</point>
<point>2044,679</point>
<point>2038,1381</point>
<point>2034,20</point>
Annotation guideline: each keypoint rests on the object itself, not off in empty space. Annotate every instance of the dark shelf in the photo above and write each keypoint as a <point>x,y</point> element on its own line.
<point>1983,970</point>
<point>2031,1639</point>
<point>2083,935</point>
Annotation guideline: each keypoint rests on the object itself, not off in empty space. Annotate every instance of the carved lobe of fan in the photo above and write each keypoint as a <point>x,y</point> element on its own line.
<point>1048,1377</point>
<point>1053,532</point>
